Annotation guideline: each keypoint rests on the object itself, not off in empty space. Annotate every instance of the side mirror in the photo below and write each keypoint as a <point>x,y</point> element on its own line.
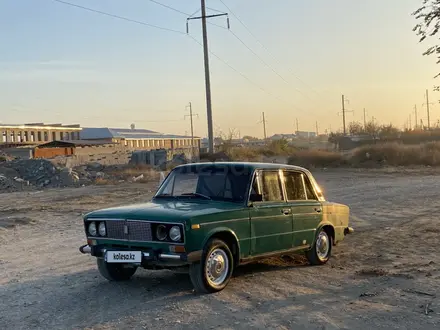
<point>256,198</point>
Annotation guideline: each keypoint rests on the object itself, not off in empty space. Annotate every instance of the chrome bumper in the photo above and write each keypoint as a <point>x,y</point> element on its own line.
<point>86,249</point>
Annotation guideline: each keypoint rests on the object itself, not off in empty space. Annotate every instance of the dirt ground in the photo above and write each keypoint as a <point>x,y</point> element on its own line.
<point>384,276</point>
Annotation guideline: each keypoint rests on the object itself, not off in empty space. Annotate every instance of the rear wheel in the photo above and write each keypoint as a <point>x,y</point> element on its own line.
<point>115,272</point>
<point>320,253</point>
<point>214,271</point>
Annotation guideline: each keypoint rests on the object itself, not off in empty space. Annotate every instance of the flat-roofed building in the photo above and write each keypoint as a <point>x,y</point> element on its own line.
<point>139,138</point>
<point>37,133</point>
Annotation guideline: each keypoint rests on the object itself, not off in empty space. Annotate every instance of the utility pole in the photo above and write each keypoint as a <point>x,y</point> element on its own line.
<point>297,127</point>
<point>365,120</point>
<point>343,114</point>
<point>207,75</point>
<point>415,115</point>
<point>427,108</point>
<point>191,115</point>
<point>317,132</point>
<point>410,124</point>
<point>264,127</point>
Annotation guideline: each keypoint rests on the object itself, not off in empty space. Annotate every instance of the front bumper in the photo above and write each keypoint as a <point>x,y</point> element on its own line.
<point>147,256</point>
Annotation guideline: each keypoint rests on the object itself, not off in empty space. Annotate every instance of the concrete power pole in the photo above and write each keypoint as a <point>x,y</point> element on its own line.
<point>207,74</point>
<point>264,127</point>
<point>427,109</point>
<point>343,114</point>
<point>415,115</point>
<point>365,120</point>
<point>191,115</point>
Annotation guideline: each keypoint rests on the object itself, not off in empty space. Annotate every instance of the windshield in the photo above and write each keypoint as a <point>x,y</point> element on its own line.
<point>210,183</point>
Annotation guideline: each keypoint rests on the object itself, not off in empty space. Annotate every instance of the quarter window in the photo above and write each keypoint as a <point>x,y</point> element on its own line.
<point>294,186</point>
<point>309,190</point>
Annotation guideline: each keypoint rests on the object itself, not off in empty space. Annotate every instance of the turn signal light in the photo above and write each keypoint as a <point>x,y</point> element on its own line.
<point>177,248</point>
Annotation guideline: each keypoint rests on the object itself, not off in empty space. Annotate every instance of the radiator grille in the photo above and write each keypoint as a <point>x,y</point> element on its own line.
<point>129,230</point>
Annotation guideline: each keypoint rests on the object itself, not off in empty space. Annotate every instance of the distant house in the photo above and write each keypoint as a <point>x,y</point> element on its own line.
<point>288,137</point>
<point>305,135</point>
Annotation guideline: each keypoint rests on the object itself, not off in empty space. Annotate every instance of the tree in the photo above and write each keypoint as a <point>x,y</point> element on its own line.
<point>355,128</point>
<point>429,15</point>
<point>389,132</point>
<point>372,129</point>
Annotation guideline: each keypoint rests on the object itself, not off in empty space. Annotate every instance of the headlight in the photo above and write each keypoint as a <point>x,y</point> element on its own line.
<point>161,232</point>
<point>175,233</point>
<point>92,228</point>
<point>101,228</point>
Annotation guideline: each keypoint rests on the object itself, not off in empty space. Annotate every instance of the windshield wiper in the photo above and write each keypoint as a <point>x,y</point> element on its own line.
<point>197,195</point>
<point>165,196</point>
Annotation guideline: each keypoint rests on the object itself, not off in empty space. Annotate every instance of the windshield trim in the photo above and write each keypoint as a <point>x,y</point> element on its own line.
<point>244,201</point>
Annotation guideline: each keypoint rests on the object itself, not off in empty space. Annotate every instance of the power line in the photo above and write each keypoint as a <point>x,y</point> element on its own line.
<point>117,16</point>
<point>169,7</point>
<point>179,32</point>
<point>243,75</point>
<point>263,46</point>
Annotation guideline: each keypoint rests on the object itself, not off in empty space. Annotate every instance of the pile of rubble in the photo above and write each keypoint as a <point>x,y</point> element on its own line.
<point>19,174</point>
<point>27,174</point>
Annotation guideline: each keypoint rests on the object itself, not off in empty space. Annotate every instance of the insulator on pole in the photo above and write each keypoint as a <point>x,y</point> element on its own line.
<point>187,27</point>
<point>227,19</point>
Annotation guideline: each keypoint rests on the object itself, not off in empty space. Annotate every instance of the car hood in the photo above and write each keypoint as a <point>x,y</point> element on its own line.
<point>164,210</point>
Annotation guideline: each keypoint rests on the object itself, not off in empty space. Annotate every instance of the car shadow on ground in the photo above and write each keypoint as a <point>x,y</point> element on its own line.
<point>85,298</point>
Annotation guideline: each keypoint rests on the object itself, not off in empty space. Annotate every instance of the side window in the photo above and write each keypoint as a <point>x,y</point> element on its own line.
<point>271,186</point>
<point>309,190</point>
<point>294,186</point>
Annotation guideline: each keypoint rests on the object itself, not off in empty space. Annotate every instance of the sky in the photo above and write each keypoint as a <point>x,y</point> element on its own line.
<point>291,59</point>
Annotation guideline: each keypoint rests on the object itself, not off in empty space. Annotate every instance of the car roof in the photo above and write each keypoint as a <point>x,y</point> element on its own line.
<point>249,165</point>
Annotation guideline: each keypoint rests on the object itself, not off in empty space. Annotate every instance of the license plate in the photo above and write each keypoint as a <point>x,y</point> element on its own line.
<point>123,256</point>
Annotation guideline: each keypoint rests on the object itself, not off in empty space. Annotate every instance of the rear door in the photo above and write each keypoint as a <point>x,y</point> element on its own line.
<point>271,219</point>
<point>305,206</point>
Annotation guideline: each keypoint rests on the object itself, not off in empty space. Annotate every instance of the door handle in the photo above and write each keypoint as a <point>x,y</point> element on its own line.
<point>317,209</point>
<point>286,211</point>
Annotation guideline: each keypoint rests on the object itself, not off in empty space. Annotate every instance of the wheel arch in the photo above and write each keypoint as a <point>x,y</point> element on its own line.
<point>229,237</point>
<point>328,228</point>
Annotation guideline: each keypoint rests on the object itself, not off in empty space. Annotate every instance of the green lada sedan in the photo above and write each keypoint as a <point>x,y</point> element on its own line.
<point>213,217</point>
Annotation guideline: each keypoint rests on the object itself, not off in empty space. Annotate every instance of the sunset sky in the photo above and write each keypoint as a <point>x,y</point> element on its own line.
<point>67,65</point>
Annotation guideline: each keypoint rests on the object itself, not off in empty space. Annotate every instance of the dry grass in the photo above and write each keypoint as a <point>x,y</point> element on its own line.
<point>397,154</point>
<point>391,154</point>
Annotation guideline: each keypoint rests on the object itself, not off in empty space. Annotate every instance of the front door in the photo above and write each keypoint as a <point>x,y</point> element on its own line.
<point>306,208</point>
<point>271,218</point>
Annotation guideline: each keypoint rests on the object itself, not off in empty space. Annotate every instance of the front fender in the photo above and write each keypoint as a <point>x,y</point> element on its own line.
<point>322,225</point>
<point>218,230</point>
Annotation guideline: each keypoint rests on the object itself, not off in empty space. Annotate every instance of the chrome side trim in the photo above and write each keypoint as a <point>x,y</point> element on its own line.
<point>222,221</point>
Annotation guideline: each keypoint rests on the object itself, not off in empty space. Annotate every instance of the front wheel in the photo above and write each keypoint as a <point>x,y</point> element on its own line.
<point>115,272</point>
<point>214,271</point>
<point>321,251</point>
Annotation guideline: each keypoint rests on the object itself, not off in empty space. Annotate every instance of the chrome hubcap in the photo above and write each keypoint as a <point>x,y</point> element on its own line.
<point>217,267</point>
<point>322,246</point>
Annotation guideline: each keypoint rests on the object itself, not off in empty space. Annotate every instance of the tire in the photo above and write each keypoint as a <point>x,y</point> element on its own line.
<point>115,272</point>
<point>216,253</point>
<point>321,250</point>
